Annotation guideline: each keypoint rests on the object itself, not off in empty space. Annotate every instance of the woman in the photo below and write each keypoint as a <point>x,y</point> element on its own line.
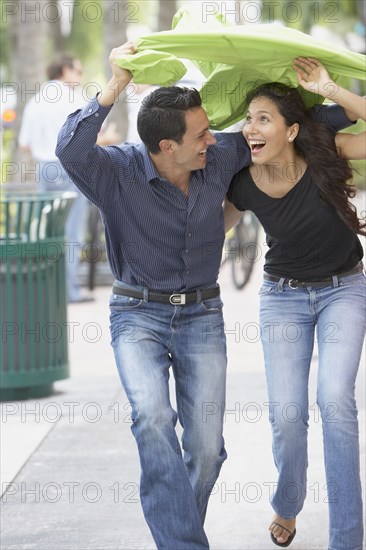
<point>313,281</point>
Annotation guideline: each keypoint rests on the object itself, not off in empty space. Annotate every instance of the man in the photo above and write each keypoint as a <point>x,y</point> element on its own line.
<point>161,203</point>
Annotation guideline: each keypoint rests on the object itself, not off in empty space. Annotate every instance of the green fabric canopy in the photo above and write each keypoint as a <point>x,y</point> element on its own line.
<point>235,59</point>
<point>153,67</point>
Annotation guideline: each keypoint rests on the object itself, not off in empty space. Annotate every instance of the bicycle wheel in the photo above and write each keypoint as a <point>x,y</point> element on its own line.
<point>246,232</point>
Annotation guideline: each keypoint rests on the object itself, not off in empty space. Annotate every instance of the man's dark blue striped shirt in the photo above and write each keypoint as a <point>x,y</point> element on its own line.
<point>156,237</point>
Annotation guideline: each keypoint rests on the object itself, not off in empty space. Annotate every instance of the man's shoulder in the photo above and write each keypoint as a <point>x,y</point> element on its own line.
<point>228,146</point>
<point>229,137</point>
<point>126,155</point>
<point>128,149</point>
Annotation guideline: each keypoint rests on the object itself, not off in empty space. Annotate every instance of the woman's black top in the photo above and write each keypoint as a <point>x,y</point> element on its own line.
<point>306,238</point>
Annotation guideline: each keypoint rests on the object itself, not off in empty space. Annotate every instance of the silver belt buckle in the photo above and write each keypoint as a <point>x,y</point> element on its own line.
<point>293,282</point>
<point>177,299</point>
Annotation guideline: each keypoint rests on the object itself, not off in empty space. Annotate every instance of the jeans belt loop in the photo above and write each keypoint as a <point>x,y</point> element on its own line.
<point>280,284</point>
<point>146,294</point>
<point>335,281</point>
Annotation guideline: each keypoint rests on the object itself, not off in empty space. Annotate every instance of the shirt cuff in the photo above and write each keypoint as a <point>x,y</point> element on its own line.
<point>95,112</point>
<point>337,118</point>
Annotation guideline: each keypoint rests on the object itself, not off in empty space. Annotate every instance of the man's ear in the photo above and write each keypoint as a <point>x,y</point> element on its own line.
<point>167,146</point>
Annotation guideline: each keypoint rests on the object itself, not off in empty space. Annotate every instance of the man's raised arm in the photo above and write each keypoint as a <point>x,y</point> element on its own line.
<point>76,148</point>
<point>120,77</point>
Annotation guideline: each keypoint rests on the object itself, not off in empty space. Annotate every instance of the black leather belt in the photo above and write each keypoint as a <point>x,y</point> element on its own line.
<point>294,283</point>
<point>175,299</point>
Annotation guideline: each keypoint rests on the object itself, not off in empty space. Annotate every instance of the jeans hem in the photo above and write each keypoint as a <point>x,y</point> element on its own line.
<point>294,517</point>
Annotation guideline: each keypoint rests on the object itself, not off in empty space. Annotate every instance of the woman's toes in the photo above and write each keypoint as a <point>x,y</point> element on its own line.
<point>282,528</point>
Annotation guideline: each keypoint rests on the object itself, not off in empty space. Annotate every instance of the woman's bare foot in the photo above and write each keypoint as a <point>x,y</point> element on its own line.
<point>282,529</point>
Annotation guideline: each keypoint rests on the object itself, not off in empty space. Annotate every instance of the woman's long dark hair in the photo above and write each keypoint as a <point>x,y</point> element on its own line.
<point>316,145</point>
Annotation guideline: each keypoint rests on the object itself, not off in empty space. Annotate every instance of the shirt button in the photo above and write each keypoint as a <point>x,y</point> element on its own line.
<point>187,251</point>
<point>189,234</point>
<point>72,133</point>
<point>90,110</point>
<point>96,114</point>
<point>187,272</point>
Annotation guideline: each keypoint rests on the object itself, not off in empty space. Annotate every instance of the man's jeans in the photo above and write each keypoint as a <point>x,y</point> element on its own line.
<point>289,318</point>
<point>52,177</point>
<point>148,338</point>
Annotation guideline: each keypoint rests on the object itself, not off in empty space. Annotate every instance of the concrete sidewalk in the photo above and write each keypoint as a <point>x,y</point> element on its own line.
<point>70,464</point>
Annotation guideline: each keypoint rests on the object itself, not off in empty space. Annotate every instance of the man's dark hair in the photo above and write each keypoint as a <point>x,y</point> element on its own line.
<point>162,115</point>
<point>56,67</point>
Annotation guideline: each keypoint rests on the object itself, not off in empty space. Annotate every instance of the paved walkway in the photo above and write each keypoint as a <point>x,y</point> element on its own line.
<point>70,464</point>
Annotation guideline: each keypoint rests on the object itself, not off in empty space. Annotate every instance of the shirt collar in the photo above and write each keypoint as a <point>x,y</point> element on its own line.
<point>150,170</point>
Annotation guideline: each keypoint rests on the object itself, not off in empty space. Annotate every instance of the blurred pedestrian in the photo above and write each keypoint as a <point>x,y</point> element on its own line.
<point>42,120</point>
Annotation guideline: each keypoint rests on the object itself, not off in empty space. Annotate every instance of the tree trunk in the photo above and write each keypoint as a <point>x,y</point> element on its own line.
<point>86,33</point>
<point>54,13</point>
<point>28,30</point>
<point>167,9</point>
<point>115,35</point>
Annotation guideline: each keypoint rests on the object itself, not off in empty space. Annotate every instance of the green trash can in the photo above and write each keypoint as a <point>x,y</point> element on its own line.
<point>34,347</point>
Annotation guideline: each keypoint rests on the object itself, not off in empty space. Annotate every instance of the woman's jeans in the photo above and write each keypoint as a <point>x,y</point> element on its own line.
<point>148,338</point>
<point>289,319</point>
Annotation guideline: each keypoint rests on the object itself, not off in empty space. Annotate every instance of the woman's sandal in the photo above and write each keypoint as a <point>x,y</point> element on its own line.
<point>290,538</point>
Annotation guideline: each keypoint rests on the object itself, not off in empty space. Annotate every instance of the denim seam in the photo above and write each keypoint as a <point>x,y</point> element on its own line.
<point>172,330</point>
<point>314,305</point>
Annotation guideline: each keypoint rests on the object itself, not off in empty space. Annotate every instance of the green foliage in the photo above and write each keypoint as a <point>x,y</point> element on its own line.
<point>349,7</point>
<point>6,148</point>
<point>359,174</point>
<point>85,39</point>
<point>340,15</point>
<point>4,47</point>
<point>359,166</point>
<point>147,13</point>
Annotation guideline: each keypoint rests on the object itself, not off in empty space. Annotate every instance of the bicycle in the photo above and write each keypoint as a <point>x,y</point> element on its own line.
<point>240,248</point>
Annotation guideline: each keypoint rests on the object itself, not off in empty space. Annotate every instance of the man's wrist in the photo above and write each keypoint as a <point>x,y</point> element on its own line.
<point>112,90</point>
